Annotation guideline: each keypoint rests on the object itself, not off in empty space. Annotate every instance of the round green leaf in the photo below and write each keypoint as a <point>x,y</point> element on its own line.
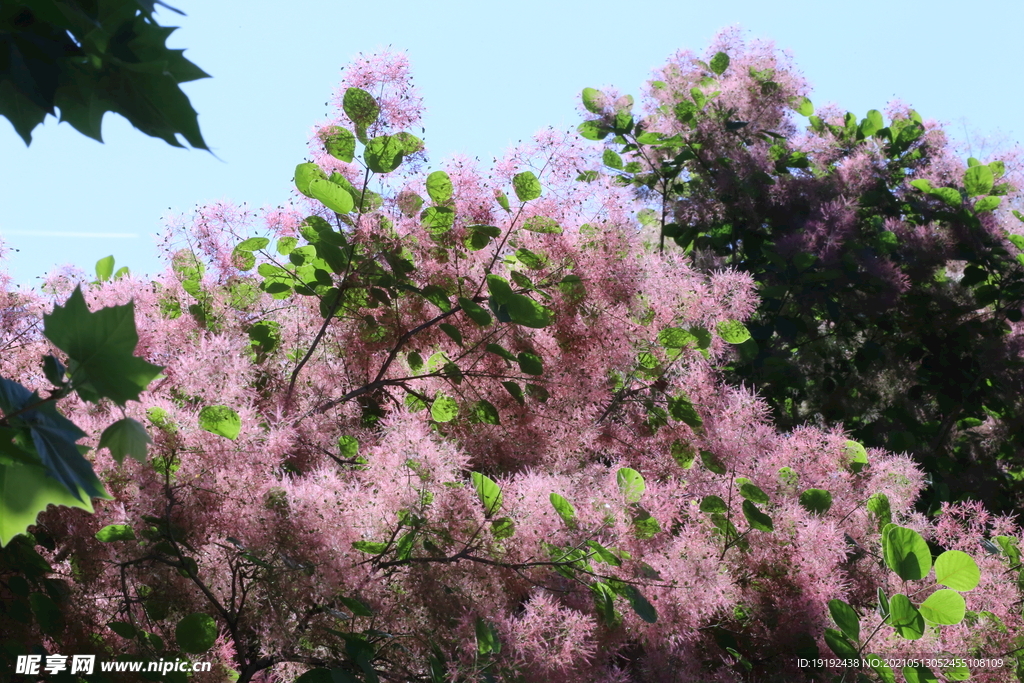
<point>957,570</point>
<point>593,130</point>
<point>631,484</point>
<point>978,180</point>
<point>918,674</point>
<point>339,142</point>
<point>719,63</point>
<point>196,633</point>
<point>906,553</point>
<point>444,408</point>
<point>360,106</point>
<point>816,501</point>
<point>905,618</point>
<point>753,493</point>
<point>944,606</point>
<point>593,100</point>
<point>305,174</point>
<point>384,154</point>
<point>220,420</point>
<point>320,675</point>
<point>713,504</point>
<point>484,412</point>
<point>439,187</point>
<point>733,331</point>
<point>527,186</point>
<point>856,456</point>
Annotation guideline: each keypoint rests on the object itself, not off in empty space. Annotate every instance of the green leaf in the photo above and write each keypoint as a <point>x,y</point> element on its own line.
<point>733,331</point>
<point>487,642</point>
<point>683,453</point>
<point>503,528</point>
<point>339,142</point>
<point>753,493</point>
<point>944,606</point>
<point>126,437</point>
<point>438,219</point>
<point>383,154</point>
<point>611,159</point>
<point>115,532</point>
<point>370,547</point>
<point>527,186</point>
<point>712,462</point>
<point>804,107</point>
<point>530,363</point>
<point>957,570</point>
<point>123,629</point>
<point>644,609</point>
<point>593,130</point>
<point>439,187</point>
<point>987,204</point>
<point>602,554</point>
<point>878,505</point>
<point>196,633</point>
<point>475,312</point>
<point>488,492</point>
<point>564,509</point>
<point>360,107</point>
<point>906,553</point>
<point>631,484</point>
<point>444,408</point>
<point>357,607</point>
<point>530,259</point>
<point>100,348</point>
<point>978,180</point>
<point>712,504</point>
<point>905,618</point>
<point>306,174</point>
<point>845,618</point>
<point>676,338</point>
<point>27,490</point>
<point>516,392</point>
<point>681,409</point>
<point>884,671</point>
<point>719,63</point>
<point>856,456</point>
<point>332,195</point>
<point>918,674</point>
<point>220,420</point>
<point>592,100</point>
<point>437,296</point>
<point>104,268</point>
<point>757,519</point>
<point>840,644</point>
<point>542,224</point>
<point>816,501</point>
<point>47,613</point>
<point>348,446</point>
<point>452,331</point>
<point>484,412</point>
<point>872,124</point>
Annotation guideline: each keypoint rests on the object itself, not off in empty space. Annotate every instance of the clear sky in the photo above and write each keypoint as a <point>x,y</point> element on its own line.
<point>491,73</point>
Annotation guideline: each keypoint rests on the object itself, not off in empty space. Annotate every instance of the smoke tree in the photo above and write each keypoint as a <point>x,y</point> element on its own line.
<point>463,425</point>
<point>889,269</point>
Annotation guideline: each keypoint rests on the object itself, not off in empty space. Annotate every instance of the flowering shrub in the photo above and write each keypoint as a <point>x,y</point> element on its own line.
<point>455,427</point>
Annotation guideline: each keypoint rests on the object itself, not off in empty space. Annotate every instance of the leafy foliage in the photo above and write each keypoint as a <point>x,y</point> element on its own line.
<point>85,58</point>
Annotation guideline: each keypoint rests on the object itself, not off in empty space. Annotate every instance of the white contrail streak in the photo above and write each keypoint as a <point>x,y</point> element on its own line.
<point>86,235</point>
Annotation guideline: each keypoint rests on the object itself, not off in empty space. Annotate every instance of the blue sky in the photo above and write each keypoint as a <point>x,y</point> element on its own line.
<point>490,74</point>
